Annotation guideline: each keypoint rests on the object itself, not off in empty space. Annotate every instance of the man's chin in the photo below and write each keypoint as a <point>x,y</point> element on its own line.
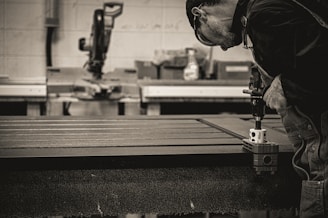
<point>228,45</point>
<point>232,42</point>
<point>224,48</point>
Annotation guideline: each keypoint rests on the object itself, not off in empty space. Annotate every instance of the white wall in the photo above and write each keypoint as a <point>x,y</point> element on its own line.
<point>144,26</point>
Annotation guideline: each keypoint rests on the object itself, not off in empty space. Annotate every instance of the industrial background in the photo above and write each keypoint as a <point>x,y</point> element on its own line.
<point>143,27</point>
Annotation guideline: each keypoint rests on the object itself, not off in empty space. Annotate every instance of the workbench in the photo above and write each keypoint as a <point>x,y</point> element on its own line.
<point>32,91</point>
<point>160,165</point>
<point>155,92</point>
<point>145,96</point>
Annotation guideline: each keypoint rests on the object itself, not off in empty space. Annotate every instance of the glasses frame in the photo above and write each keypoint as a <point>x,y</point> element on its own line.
<point>199,36</point>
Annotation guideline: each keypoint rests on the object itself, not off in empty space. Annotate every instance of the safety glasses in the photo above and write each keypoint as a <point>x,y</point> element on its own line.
<point>201,38</point>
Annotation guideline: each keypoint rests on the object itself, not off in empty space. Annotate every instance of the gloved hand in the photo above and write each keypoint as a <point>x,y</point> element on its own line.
<point>274,96</point>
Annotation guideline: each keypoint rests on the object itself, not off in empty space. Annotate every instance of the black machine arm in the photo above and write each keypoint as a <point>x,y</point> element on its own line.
<point>256,89</point>
<point>265,153</point>
<point>103,23</point>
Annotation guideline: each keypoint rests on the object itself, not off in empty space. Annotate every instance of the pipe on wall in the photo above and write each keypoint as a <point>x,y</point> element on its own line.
<point>51,22</point>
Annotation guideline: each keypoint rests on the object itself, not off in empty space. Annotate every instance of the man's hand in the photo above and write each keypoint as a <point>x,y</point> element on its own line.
<point>274,96</point>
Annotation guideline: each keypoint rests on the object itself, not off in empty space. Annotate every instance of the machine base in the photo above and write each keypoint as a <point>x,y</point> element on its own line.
<point>265,156</point>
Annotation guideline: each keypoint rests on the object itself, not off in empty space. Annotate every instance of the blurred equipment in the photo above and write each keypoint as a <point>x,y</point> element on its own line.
<point>256,91</point>
<point>19,92</point>
<point>103,23</point>
<point>209,69</point>
<point>97,46</point>
<point>265,158</point>
<point>67,85</point>
<point>52,19</point>
<point>191,71</point>
<point>232,70</point>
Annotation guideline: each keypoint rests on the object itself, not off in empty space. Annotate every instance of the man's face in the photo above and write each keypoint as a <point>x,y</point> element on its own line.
<point>213,29</point>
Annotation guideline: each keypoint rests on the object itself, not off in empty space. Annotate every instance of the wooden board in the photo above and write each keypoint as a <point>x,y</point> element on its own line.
<point>112,136</point>
<point>193,92</point>
<point>23,90</point>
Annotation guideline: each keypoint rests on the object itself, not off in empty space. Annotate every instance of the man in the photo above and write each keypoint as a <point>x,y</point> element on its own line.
<point>289,41</point>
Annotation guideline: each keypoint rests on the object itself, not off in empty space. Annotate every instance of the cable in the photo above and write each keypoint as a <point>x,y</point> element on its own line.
<point>50,31</point>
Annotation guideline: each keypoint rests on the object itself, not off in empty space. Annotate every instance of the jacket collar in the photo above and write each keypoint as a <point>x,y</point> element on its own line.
<point>236,22</point>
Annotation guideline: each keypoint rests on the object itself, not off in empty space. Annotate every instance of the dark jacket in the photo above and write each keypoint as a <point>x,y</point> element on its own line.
<point>288,40</point>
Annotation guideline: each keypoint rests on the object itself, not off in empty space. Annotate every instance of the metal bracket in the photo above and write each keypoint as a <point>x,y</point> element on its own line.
<point>265,156</point>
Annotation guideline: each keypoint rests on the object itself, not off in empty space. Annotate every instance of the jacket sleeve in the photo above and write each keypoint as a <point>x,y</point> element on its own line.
<point>318,9</point>
<point>287,40</point>
<point>269,28</point>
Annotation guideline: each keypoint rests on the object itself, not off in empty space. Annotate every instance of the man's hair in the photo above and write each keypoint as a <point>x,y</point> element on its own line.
<point>195,3</point>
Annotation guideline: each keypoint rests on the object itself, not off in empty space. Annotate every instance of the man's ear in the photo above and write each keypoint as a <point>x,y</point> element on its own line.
<point>196,11</point>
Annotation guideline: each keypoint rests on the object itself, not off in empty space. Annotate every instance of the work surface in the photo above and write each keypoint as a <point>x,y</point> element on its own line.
<point>79,166</point>
<point>100,136</point>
